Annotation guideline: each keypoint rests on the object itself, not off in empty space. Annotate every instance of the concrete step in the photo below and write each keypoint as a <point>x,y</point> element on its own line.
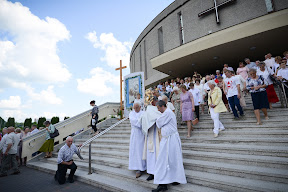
<point>207,139</point>
<point>244,171</point>
<point>232,183</point>
<point>251,132</point>
<point>194,178</point>
<point>129,176</point>
<point>262,150</point>
<point>243,133</point>
<point>240,159</point>
<point>101,181</point>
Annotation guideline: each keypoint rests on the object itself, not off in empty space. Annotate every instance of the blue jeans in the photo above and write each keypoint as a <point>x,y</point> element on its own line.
<point>234,101</point>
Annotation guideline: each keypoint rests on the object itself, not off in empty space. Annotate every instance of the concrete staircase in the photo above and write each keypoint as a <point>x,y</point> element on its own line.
<point>245,157</point>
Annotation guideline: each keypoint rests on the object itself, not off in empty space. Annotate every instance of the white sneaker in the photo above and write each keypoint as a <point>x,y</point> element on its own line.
<point>215,135</point>
<point>221,129</point>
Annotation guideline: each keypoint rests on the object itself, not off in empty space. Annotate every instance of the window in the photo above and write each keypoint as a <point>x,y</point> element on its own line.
<point>269,5</point>
<point>145,61</point>
<point>181,29</point>
<point>160,40</point>
<point>140,58</point>
<point>134,62</point>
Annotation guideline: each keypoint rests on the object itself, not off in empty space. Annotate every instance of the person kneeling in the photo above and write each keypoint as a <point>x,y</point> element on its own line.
<point>65,162</point>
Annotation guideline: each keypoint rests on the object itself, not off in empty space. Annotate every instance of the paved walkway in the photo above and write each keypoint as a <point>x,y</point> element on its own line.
<point>31,180</point>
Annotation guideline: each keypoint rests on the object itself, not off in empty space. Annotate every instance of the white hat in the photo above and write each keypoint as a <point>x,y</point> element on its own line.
<point>175,89</point>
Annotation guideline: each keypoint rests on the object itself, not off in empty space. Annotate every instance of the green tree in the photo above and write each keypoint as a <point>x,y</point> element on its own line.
<point>66,118</point>
<point>2,123</point>
<point>28,122</point>
<point>54,120</point>
<point>41,120</point>
<point>10,122</point>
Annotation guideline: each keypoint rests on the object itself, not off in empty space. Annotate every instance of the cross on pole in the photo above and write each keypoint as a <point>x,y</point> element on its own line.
<point>216,7</point>
<point>121,105</point>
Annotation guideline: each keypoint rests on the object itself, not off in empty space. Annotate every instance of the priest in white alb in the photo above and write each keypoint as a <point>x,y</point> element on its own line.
<point>151,144</point>
<point>136,142</point>
<point>169,164</point>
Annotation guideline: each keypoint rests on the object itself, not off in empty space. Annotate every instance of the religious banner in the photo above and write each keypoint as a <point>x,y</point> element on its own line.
<point>133,84</point>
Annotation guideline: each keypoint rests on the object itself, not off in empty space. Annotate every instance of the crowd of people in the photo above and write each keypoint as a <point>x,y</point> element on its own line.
<point>154,120</point>
<point>5,139</point>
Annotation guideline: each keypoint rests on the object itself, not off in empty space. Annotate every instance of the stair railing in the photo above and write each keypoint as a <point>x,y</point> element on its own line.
<point>282,93</point>
<point>89,142</point>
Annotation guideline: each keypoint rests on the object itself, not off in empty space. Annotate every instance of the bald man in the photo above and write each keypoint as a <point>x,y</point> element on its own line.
<point>9,151</point>
<point>65,162</point>
<point>137,139</point>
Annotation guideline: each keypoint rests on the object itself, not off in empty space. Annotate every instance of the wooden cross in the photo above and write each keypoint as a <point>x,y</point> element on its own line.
<point>216,7</point>
<point>121,105</point>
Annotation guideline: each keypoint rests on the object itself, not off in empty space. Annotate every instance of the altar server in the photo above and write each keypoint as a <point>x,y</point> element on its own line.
<point>151,144</point>
<point>169,164</point>
<point>136,141</point>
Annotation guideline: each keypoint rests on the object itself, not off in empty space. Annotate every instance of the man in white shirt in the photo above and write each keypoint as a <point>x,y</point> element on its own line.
<point>257,65</point>
<point>65,162</point>
<point>168,87</point>
<point>242,88</point>
<point>159,87</point>
<point>283,76</point>
<point>270,61</point>
<point>169,104</point>
<point>34,129</point>
<point>206,87</point>
<point>196,96</point>
<point>9,153</point>
<point>233,92</point>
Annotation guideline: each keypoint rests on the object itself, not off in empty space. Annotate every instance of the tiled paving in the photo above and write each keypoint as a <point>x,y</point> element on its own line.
<point>31,180</point>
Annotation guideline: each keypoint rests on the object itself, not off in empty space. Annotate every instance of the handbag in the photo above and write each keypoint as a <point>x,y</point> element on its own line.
<point>54,134</point>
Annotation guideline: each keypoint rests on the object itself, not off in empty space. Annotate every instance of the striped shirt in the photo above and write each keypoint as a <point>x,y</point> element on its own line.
<point>66,153</point>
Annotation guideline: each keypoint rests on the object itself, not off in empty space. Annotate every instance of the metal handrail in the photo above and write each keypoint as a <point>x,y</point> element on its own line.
<point>282,92</point>
<point>67,121</point>
<point>89,141</point>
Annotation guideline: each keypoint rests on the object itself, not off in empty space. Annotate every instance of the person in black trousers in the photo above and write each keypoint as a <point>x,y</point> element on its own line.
<point>65,162</point>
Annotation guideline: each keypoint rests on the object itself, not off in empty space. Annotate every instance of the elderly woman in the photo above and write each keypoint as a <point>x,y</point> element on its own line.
<point>176,103</point>
<point>256,86</point>
<point>187,108</point>
<point>216,106</point>
<point>48,146</point>
<point>265,72</point>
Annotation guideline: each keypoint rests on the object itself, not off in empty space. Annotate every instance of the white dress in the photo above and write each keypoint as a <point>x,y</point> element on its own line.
<point>136,143</point>
<point>169,164</point>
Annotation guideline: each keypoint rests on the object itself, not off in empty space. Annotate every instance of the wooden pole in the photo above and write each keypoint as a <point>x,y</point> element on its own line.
<point>121,104</point>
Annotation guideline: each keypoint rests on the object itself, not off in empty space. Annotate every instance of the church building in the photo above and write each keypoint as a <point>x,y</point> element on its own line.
<point>202,35</point>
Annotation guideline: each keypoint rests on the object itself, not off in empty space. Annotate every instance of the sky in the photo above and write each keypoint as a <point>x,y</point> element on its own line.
<point>58,55</point>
